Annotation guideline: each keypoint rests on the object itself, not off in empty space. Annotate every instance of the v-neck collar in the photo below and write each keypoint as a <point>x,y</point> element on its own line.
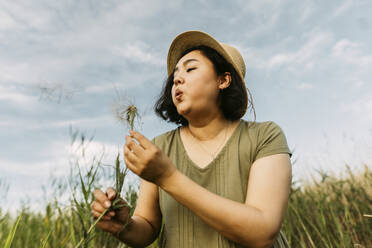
<point>220,153</point>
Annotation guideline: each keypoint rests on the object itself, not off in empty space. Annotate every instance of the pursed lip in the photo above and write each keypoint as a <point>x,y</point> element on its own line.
<point>178,94</point>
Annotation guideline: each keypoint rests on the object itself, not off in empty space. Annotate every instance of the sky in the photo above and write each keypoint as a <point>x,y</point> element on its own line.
<point>64,64</point>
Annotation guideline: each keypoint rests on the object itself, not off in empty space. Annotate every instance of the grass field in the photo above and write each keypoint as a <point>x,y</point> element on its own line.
<point>330,212</point>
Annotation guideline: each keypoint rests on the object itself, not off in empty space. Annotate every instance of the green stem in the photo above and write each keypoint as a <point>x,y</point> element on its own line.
<point>114,206</point>
<point>92,226</point>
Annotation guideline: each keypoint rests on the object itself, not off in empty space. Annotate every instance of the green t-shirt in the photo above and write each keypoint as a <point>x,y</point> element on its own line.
<point>227,176</point>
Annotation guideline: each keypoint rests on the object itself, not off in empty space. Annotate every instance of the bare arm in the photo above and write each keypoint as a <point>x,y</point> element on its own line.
<point>146,219</point>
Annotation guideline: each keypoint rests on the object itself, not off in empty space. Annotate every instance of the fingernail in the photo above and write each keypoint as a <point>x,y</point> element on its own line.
<point>107,204</point>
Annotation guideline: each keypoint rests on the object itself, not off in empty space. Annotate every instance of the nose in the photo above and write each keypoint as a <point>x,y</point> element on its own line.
<point>178,79</point>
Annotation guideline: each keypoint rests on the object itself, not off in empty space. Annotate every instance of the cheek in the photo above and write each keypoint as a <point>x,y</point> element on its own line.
<point>173,96</point>
<point>205,96</point>
<point>208,89</point>
<point>173,92</point>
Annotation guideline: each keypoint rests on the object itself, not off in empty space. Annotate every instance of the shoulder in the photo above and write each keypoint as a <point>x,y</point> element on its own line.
<point>260,127</point>
<point>260,132</point>
<point>268,138</point>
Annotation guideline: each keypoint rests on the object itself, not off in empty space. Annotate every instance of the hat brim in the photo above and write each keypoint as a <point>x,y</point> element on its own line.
<point>191,39</point>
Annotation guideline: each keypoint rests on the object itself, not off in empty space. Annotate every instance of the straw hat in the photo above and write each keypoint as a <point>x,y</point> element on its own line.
<point>190,39</point>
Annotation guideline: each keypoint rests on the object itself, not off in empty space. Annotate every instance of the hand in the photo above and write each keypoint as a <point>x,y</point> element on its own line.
<point>112,221</point>
<point>146,160</point>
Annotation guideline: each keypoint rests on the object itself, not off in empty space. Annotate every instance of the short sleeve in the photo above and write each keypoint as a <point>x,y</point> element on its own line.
<point>271,140</point>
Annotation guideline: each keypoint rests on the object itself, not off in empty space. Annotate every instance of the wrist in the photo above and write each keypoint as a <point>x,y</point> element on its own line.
<point>166,182</point>
<point>122,229</point>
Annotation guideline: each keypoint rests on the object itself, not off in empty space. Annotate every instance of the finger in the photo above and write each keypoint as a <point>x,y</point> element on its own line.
<point>130,166</point>
<point>111,193</point>
<point>102,198</point>
<point>133,146</point>
<point>145,143</point>
<point>98,214</point>
<point>130,156</point>
<point>97,207</point>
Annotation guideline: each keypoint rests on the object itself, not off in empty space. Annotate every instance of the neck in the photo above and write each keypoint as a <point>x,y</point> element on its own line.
<point>207,129</point>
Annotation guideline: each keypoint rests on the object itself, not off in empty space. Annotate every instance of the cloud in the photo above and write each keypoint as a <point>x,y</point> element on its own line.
<point>23,15</point>
<point>34,168</point>
<point>34,125</point>
<point>62,157</point>
<point>307,11</point>
<point>312,46</point>
<point>93,151</point>
<point>10,94</point>
<point>139,52</point>
<point>100,88</point>
<point>346,5</point>
<point>59,155</point>
<point>304,86</point>
<point>82,44</point>
<point>306,54</point>
<point>358,83</point>
<point>6,21</point>
<point>263,15</point>
<point>16,72</point>
<point>351,53</point>
<point>17,99</point>
<point>360,109</point>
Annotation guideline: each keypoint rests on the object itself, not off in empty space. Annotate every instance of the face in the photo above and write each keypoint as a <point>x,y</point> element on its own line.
<point>195,87</point>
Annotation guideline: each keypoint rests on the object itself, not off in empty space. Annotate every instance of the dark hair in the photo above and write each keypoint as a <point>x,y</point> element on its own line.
<point>232,100</point>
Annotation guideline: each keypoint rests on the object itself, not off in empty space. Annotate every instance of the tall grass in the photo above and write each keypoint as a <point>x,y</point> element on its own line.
<point>330,212</point>
<point>9,239</point>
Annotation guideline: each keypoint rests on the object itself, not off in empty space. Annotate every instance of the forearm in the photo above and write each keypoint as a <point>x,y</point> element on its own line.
<point>138,233</point>
<point>236,221</point>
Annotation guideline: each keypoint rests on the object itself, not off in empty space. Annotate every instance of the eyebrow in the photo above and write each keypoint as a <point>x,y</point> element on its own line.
<point>184,63</point>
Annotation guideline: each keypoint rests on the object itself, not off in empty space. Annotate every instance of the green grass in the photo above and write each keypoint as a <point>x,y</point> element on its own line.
<point>329,212</point>
<point>9,239</point>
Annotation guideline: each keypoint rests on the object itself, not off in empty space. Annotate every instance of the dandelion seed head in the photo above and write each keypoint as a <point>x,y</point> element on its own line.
<point>125,112</point>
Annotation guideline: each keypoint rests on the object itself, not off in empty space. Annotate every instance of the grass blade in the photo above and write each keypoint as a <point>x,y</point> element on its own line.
<point>10,238</point>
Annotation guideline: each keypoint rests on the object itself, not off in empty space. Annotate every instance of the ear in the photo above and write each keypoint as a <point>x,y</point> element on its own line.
<point>224,81</point>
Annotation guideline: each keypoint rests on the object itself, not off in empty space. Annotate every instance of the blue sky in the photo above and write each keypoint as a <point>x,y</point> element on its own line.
<point>62,64</point>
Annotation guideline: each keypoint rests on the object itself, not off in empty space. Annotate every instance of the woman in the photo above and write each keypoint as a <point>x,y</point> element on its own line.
<point>216,180</point>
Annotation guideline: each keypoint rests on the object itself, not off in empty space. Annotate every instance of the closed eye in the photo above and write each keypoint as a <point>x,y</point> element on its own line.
<point>190,69</point>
